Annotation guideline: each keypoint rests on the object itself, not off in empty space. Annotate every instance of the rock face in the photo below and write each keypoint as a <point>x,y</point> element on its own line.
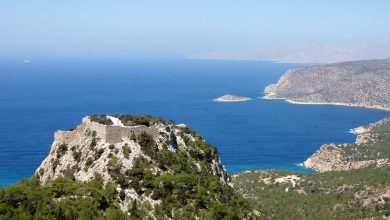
<point>355,83</point>
<point>371,149</point>
<point>231,98</point>
<point>114,147</point>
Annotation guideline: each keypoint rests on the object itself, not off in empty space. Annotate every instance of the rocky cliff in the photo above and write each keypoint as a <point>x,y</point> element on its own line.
<point>167,168</point>
<point>371,149</point>
<point>355,83</point>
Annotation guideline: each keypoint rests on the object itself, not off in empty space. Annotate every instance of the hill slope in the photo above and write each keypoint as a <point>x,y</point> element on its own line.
<point>127,167</point>
<point>355,194</point>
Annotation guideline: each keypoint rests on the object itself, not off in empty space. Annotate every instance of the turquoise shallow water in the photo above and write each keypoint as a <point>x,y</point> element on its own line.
<point>38,98</point>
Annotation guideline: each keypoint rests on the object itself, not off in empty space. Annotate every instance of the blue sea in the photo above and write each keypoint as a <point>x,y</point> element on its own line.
<point>40,97</point>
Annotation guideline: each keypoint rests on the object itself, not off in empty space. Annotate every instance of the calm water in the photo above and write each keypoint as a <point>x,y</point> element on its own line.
<point>38,98</point>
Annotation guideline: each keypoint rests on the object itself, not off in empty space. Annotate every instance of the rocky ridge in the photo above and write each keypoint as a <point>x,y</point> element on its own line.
<point>371,149</point>
<point>119,149</point>
<point>355,83</point>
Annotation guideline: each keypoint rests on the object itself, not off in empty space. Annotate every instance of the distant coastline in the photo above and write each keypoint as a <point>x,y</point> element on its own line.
<point>363,83</point>
<point>377,107</point>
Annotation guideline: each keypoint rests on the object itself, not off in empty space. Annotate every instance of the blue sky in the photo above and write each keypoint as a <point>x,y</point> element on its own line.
<point>173,28</point>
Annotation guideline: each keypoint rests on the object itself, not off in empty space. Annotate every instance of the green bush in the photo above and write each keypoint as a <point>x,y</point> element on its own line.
<point>62,149</point>
<point>133,120</point>
<point>28,199</point>
<point>76,155</point>
<point>147,144</point>
<point>98,153</point>
<point>88,163</point>
<point>101,119</point>
<point>126,151</point>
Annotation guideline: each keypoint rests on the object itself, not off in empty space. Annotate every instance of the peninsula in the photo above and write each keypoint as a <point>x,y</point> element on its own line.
<point>371,149</point>
<point>231,98</point>
<point>355,83</point>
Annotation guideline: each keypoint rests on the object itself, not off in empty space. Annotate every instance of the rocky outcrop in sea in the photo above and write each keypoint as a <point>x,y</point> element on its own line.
<point>232,98</point>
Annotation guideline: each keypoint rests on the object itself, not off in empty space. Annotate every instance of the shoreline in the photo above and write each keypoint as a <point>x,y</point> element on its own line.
<point>327,103</point>
<point>356,131</point>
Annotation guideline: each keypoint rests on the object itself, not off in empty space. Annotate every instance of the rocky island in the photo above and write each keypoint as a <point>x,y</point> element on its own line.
<point>231,98</point>
<point>355,83</point>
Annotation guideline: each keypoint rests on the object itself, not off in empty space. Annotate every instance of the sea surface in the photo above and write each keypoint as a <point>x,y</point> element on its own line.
<point>40,97</point>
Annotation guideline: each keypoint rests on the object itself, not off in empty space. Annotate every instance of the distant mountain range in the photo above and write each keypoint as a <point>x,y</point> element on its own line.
<point>302,53</point>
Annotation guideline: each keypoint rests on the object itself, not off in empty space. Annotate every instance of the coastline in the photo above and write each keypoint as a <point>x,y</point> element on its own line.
<point>358,131</point>
<point>377,107</point>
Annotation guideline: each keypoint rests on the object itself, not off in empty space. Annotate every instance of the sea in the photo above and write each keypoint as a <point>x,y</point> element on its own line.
<point>40,97</point>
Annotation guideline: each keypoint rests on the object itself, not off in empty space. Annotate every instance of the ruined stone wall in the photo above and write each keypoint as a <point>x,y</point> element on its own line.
<point>115,134</point>
<point>108,134</point>
<point>137,130</point>
<point>65,136</point>
<point>100,130</point>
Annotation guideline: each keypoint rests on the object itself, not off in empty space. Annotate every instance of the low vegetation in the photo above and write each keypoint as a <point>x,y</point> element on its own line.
<point>356,194</point>
<point>101,119</point>
<point>133,120</point>
<point>61,199</point>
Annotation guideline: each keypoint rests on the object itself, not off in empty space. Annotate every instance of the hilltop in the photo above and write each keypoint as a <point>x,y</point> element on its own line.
<point>127,166</point>
<point>355,83</point>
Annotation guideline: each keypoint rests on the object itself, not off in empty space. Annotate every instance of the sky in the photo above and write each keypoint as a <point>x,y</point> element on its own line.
<point>176,28</point>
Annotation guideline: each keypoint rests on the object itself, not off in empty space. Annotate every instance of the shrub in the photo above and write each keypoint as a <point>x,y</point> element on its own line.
<point>62,149</point>
<point>146,120</point>
<point>69,172</point>
<point>133,137</point>
<point>89,162</point>
<point>126,151</point>
<point>112,162</point>
<point>99,153</point>
<point>76,155</point>
<point>101,119</point>
<point>93,143</point>
<point>122,195</point>
<point>41,171</point>
<point>55,163</point>
<point>147,144</point>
